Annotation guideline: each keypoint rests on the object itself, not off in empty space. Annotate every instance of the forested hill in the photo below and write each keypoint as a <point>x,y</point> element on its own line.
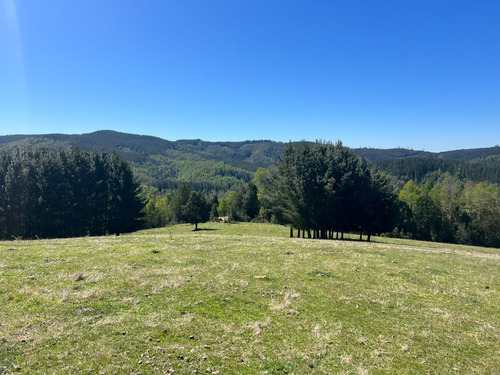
<point>224,165</point>
<point>161,163</point>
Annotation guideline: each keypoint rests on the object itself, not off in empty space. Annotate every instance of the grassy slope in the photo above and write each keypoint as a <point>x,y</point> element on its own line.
<point>243,298</point>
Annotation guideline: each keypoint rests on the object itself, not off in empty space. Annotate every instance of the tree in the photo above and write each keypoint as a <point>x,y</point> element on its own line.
<point>236,212</point>
<point>483,207</point>
<point>196,209</point>
<point>179,199</point>
<point>47,193</point>
<point>324,187</point>
<point>381,208</point>
<point>292,191</point>
<point>156,214</point>
<point>250,202</point>
<point>125,205</point>
<point>214,205</point>
<point>446,195</point>
<point>225,204</point>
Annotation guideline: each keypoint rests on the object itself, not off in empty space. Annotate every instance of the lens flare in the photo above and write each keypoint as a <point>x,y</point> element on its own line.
<point>12,71</point>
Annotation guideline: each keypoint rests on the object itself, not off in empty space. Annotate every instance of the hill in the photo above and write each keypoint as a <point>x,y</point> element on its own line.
<point>222,166</point>
<point>161,163</point>
<point>423,169</point>
<point>244,299</point>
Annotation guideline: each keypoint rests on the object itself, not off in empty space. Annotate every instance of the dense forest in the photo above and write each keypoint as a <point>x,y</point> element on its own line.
<point>46,193</point>
<point>219,167</point>
<point>451,210</point>
<point>50,188</point>
<point>423,169</point>
<point>207,166</point>
<point>323,191</point>
<point>322,188</point>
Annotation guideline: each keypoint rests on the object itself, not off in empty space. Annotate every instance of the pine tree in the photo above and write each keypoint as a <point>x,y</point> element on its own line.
<point>196,210</point>
<point>179,199</point>
<point>250,202</point>
<point>47,193</point>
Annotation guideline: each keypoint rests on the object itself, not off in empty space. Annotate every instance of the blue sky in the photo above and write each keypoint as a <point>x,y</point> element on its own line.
<point>417,73</point>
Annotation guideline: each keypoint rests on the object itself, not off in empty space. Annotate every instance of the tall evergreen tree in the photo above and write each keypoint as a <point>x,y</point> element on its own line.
<point>124,204</point>
<point>250,202</point>
<point>179,199</point>
<point>325,187</point>
<point>380,212</point>
<point>47,193</point>
<point>196,210</point>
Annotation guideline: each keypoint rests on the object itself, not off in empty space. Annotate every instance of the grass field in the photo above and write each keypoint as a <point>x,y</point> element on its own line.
<point>245,299</point>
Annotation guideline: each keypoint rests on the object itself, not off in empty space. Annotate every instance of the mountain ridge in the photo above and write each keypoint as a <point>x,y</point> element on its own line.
<point>367,152</point>
<point>221,165</point>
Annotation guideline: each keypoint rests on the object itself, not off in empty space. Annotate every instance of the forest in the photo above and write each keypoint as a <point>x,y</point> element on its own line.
<point>50,188</point>
<point>451,210</point>
<point>67,193</point>
<point>424,169</point>
<point>323,190</point>
<point>220,167</point>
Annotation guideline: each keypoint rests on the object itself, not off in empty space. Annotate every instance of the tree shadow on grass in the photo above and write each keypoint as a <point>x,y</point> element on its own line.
<point>203,229</point>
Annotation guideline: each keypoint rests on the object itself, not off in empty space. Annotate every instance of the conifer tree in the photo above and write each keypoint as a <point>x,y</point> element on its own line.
<point>179,199</point>
<point>196,209</point>
<point>46,193</point>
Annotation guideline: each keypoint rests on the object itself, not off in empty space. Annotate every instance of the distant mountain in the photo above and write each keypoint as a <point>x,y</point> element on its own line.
<point>223,165</point>
<point>423,169</point>
<point>480,164</point>
<point>376,154</point>
<point>157,162</point>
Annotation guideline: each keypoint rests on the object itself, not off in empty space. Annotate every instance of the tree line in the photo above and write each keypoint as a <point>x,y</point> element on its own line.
<point>315,189</point>
<point>423,169</point>
<point>320,190</point>
<point>324,190</point>
<point>451,210</point>
<point>66,193</point>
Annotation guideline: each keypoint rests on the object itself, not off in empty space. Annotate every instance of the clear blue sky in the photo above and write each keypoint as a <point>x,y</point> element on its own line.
<point>423,74</point>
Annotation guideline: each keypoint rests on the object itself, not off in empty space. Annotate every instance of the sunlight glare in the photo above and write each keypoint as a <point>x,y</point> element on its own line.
<point>12,67</point>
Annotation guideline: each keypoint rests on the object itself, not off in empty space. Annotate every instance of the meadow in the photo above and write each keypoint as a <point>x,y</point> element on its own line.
<point>246,299</point>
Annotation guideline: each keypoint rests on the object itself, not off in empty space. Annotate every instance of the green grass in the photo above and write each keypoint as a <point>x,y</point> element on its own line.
<point>245,299</point>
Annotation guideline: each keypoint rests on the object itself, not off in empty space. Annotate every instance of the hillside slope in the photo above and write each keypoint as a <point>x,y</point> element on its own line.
<point>225,165</point>
<point>245,299</point>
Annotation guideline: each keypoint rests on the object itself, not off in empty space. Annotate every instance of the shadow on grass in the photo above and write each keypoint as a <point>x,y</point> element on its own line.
<point>346,239</point>
<point>203,229</point>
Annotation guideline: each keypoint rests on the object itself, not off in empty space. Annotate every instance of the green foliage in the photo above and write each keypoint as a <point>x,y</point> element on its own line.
<point>214,206</point>
<point>241,205</point>
<point>325,187</point>
<point>225,204</point>
<point>482,213</point>
<point>421,169</point>
<point>187,206</point>
<point>250,202</point>
<point>236,212</point>
<point>453,211</point>
<point>66,193</point>
<point>166,171</point>
<point>382,210</point>
<point>449,208</point>
<point>222,166</point>
<point>196,209</point>
<point>206,166</point>
<point>156,212</point>
<point>178,202</point>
